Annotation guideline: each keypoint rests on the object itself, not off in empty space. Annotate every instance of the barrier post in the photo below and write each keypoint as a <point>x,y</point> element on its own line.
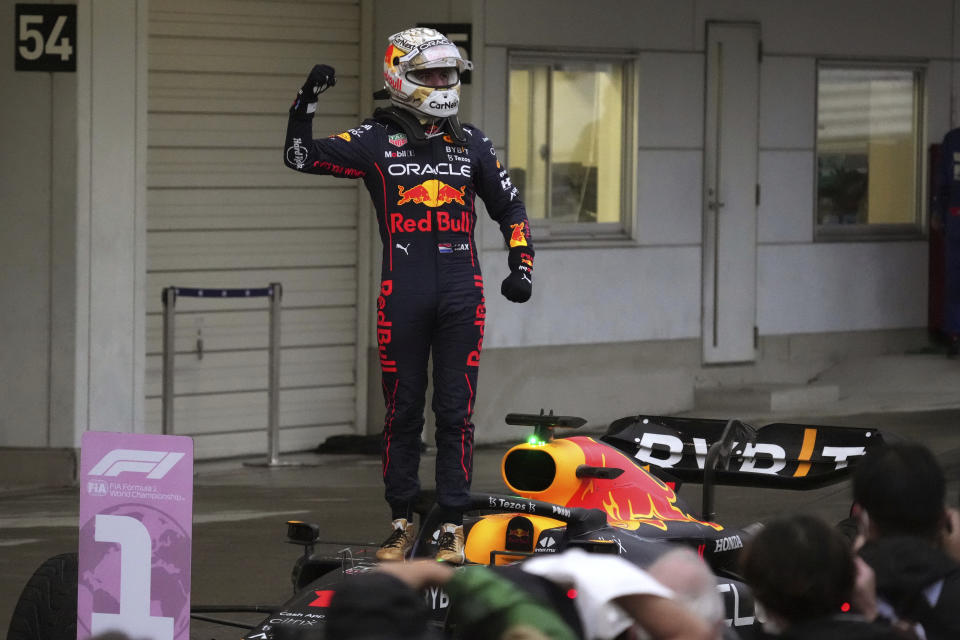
<point>273,393</point>
<point>169,297</point>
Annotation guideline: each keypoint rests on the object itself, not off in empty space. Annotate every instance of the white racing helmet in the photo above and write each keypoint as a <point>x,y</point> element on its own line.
<point>416,49</point>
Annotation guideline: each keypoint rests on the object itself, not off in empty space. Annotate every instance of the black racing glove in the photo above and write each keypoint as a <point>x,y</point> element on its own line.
<point>321,78</point>
<point>518,286</point>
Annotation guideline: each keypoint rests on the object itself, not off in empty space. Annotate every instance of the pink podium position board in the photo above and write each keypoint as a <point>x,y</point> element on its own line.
<point>136,516</point>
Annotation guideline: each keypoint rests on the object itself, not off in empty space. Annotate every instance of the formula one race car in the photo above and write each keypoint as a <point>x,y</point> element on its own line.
<point>612,494</point>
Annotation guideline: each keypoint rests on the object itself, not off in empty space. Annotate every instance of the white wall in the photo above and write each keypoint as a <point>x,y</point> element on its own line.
<point>841,28</point>
<point>841,287</point>
<point>111,212</point>
<point>651,292</point>
<point>71,204</point>
<point>27,211</point>
<point>584,296</point>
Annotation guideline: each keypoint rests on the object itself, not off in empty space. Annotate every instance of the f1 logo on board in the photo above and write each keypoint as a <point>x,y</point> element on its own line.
<point>155,464</point>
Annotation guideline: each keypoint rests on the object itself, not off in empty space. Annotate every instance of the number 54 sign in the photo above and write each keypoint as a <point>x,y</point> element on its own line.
<point>46,37</point>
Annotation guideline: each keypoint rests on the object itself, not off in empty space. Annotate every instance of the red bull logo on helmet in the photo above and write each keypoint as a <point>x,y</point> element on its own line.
<point>432,193</point>
<point>392,52</point>
<point>391,75</point>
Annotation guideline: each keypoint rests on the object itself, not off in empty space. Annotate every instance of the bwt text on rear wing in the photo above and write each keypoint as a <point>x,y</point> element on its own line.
<point>778,455</point>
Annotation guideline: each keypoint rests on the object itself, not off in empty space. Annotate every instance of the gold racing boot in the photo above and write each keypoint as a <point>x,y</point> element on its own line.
<point>450,544</point>
<point>398,543</point>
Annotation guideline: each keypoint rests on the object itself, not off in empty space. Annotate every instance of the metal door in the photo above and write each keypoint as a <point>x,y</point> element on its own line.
<point>223,212</point>
<point>730,192</point>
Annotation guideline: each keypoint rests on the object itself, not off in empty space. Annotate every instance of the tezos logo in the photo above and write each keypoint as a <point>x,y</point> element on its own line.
<point>155,464</point>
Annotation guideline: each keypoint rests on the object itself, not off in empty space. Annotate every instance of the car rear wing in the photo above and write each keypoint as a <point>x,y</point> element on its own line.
<point>778,455</point>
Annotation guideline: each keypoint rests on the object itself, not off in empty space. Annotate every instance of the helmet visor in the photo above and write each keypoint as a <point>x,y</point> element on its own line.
<point>437,77</point>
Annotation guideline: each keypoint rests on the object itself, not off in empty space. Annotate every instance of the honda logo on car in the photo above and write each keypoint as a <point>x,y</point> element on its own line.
<point>727,544</point>
<point>666,451</point>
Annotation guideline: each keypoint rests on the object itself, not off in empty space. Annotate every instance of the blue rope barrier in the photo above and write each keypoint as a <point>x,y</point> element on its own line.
<point>191,292</point>
<point>196,292</point>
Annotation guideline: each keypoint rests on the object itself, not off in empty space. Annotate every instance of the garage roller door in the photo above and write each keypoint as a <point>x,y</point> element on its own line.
<point>223,211</point>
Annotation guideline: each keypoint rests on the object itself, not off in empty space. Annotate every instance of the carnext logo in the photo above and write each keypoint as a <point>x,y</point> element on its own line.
<point>155,464</point>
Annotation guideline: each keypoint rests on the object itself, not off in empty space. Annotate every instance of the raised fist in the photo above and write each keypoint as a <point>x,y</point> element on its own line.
<point>321,78</point>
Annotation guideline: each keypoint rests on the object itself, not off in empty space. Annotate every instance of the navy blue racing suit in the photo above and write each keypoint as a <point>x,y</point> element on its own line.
<point>431,291</point>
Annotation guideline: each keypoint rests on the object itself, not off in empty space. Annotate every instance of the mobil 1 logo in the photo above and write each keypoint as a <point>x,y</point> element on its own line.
<point>45,37</point>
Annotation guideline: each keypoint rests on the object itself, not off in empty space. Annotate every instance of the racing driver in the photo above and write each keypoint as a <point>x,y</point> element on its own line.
<point>423,169</point>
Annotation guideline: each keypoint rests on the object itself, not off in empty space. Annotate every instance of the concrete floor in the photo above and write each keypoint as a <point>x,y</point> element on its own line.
<point>239,549</point>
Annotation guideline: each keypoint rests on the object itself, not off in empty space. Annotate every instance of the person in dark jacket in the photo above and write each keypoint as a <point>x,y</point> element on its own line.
<point>809,583</point>
<point>423,170</point>
<point>899,500</point>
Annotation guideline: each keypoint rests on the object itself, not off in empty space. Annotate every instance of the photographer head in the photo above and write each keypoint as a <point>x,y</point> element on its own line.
<point>900,491</point>
<point>816,558</point>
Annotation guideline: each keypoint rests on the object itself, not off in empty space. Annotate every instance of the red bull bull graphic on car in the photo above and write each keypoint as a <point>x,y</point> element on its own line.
<point>634,499</point>
<point>432,193</point>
